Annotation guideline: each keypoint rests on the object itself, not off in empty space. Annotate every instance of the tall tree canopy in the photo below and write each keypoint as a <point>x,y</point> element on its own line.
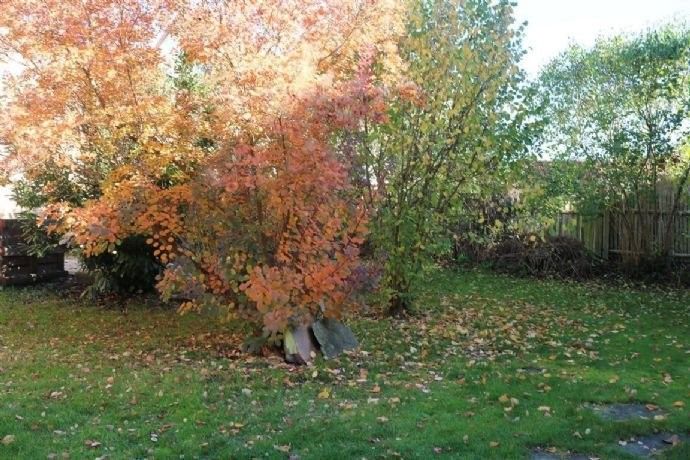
<point>619,118</point>
<point>457,123</point>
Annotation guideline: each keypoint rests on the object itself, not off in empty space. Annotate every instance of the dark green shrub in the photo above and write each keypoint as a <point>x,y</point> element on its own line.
<point>130,269</point>
<point>558,257</point>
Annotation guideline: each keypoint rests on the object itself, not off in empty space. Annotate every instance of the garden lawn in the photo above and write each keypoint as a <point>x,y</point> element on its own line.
<point>490,367</point>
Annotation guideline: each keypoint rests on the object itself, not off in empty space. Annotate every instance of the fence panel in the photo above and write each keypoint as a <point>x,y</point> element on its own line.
<point>630,229</point>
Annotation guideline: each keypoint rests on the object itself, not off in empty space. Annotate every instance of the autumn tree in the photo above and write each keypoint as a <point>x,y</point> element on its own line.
<point>85,104</point>
<point>458,119</point>
<point>236,187</point>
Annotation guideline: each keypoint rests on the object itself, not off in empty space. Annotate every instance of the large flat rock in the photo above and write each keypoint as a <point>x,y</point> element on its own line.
<point>650,445</point>
<point>334,337</point>
<point>624,412</point>
<point>541,454</point>
<point>299,345</point>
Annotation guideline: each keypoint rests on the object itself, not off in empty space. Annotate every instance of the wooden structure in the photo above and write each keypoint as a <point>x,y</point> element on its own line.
<point>625,231</point>
<point>18,268</point>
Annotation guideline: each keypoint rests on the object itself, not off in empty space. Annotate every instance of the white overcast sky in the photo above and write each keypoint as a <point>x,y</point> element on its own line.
<point>553,24</point>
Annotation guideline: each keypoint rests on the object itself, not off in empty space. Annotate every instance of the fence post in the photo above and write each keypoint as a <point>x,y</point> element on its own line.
<point>606,233</point>
<point>560,224</point>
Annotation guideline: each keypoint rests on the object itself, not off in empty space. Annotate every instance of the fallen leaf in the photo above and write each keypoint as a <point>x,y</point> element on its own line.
<point>8,439</point>
<point>545,410</point>
<point>494,444</point>
<point>673,440</point>
<point>325,393</point>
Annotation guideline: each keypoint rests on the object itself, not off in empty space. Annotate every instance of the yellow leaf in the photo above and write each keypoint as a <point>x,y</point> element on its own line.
<point>285,448</point>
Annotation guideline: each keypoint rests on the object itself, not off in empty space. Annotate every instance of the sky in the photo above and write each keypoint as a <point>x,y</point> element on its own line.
<point>554,24</point>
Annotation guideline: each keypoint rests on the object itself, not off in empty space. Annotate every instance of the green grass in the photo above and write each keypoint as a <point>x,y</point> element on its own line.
<point>145,382</point>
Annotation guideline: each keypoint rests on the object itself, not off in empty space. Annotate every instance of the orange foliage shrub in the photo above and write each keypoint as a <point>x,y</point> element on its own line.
<point>263,223</point>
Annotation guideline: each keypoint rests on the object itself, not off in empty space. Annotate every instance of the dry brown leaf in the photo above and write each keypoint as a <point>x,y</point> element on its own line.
<point>8,439</point>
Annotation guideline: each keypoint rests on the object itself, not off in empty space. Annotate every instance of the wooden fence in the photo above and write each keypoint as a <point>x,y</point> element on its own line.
<point>17,267</point>
<point>623,232</point>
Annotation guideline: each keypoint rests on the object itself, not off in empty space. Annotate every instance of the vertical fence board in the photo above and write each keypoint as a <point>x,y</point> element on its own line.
<point>624,230</point>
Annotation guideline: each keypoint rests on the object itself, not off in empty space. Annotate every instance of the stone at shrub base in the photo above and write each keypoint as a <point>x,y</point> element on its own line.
<point>299,345</point>
<point>334,337</point>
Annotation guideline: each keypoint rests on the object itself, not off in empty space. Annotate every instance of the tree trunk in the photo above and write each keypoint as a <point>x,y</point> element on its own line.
<point>398,306</point>
<point>399,303</point>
